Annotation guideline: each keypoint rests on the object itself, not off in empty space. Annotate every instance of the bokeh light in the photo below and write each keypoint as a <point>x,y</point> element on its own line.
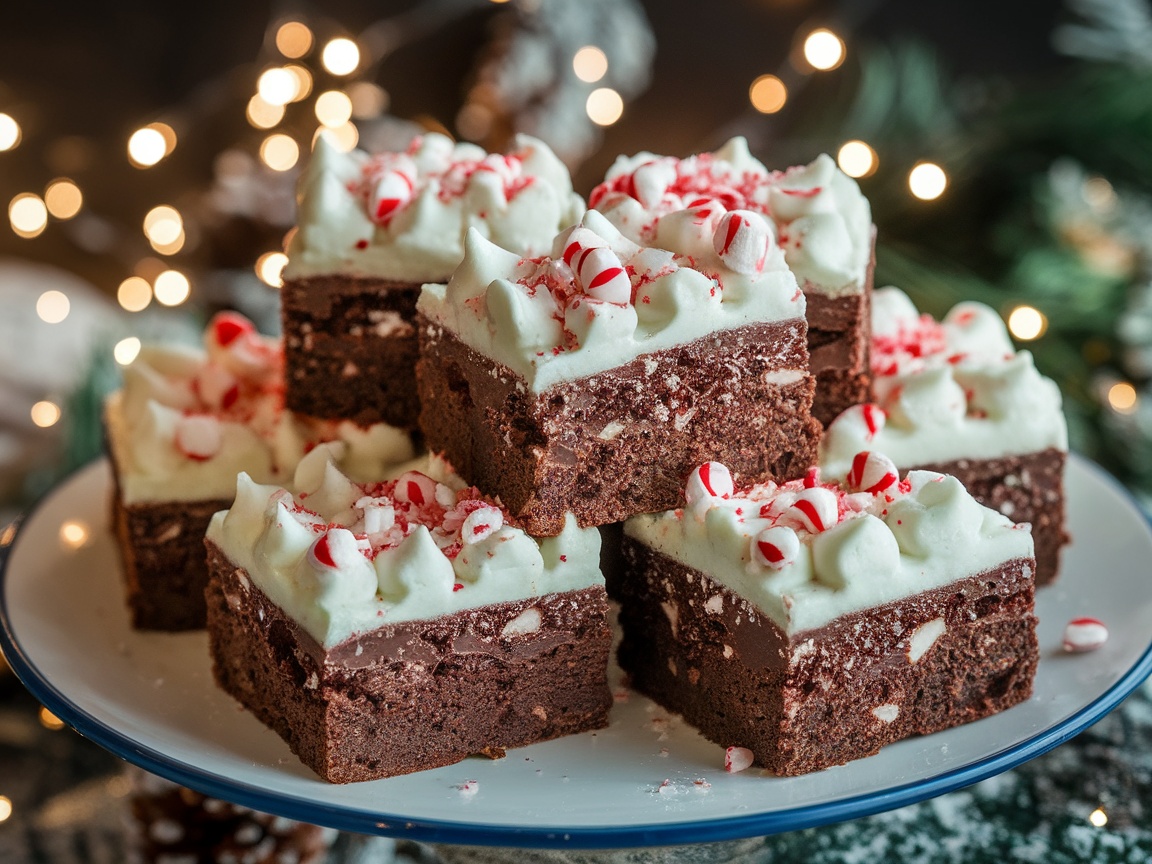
<point>28,214</point>
<point>171,288</point>
<point>163,225</point>
<point>126,350</point>
<point>45,414</point>
<point>927,181</point>
<point>50,721</point>
<point>604,106</point>
<point>590,64</point>
<point>134,294</point>
<point>270,268</point>
<point>74,533</point>
<point>293,39</point>
<point>768,94</point>
<point>857,159</point>
<point>63,198</point>
<point>1122,398</point>
<point>277,86</point>
<point>9,132</point>
<point>303,81</point>
<point>146,147</point>
<point>333,108</point>
<point>368,100</point>
<point>53,307</point>
<point>262,115</point>
<point>340,56</point>
<point>824,50</point>
<point>1027,323</point>
<point>279,152</point>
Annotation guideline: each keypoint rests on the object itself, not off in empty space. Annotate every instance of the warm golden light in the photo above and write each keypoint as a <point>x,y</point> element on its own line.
<point>1027,323</point>
<point>604,106</point>
<point>341,56</point>
<point>279,152</point>
<point>303,81</point>
<point>171,288</point>
<point>768,94</point>
<point>134,294</point>
<point>1122,398</point>
<point>53,307</point>
<point>74,534</point>
<point>269,268</point>
<point>293,39</point>
<point>5,808</point>
<point>277,86</point>
<point>927,181</point>
<point>167,133</point>
<point>857,159</point>
<point>368,100</point>
<point>146,147</point>
<point>9,132</point>
<point>169,248</point>
<point>333,108</point>
<point>50,721</point>
<point>824,50</point>
<point>1098,818</point>
<point>163,225</point>
<point>63,198</point>
<point>45,414</point>
<point>590,64</point>
<point>343,137</point>
<point>28,214</point>
<point>126,350</point>
<point>262,115</point>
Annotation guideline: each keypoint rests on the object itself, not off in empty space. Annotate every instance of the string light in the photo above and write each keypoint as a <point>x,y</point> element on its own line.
<point>927,181</point>
<point>824,50</point>
<point>1027,323</point>
<point>333,108</point>
<point>303,81</point>
<point>171,288</point>
<point>262,115</point>
<point>768,94</point>
<point>134,294</point>
<point>53,307</point>
<point>277,86</point>
<point>1122,398</point>
<point>146,147</point>
<point>9,132</point>
<point>28,215</point>
<point>5,808</point>
<point>126,350</point>
<point>857,159</point>
<point>279,152</point>
<point>50,721</point>
<point>45,414</point>
<point>270,267</point>
<point>368,100</point>
<point>604,106</point>
<point>1098,817</point>
<point>293,39</point>
<point>341,56</point>
<point>590,64</point>
<point>63,198</point>
<point>163,225</point>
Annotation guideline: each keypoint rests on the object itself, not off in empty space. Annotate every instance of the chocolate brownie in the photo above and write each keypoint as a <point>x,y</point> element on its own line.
<point>813,624</point>
<point>604,411</point>
<point>426,631</point>
<point>372,229</point>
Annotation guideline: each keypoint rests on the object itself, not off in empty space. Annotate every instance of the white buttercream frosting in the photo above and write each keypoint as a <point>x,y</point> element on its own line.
<point>342,558</point>
<point>601,300</point>
<point>818,215</point>
<point>188,420</point>
<point>404,216</point>
<point>957,389</point>
<point>806,552</point>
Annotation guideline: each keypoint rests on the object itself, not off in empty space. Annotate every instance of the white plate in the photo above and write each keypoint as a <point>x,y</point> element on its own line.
<point>150,699</point>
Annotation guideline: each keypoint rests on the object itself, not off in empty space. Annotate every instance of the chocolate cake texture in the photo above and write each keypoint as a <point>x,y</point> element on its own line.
<point>417,694</point>
<point>620,442</point>
<point>823,697</point>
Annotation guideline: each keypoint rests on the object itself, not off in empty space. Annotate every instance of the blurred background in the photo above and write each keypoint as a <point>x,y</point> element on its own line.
<point>148,157</point>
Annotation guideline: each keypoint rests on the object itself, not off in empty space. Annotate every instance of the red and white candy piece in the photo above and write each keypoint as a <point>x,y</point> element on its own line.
<point>415,488</point>
<point>710,480</point>
<point>737,759</point>
<point>392,191</point>
<point>1084,634</point>
<point>217,388</point>
<point>814,510</point>
<point>335,549</point>
<point>234,341</point>
<point>481,524</point>
<point>651,180</point>
<point>228,327</point>
<point>776,547</point>
<point>872,472</point>
<point>743,240</point>
<point>198,436</point>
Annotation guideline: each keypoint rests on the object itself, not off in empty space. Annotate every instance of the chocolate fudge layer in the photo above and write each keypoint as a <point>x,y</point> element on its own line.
<point>1027,488</point>
<point>416,694</point>
<point>622,441</point>
<point>935,660</point>
<point>350,348</point>
<point>838,343</point>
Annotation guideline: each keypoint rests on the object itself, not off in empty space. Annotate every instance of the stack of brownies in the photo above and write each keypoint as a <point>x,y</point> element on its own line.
<point>667,361</point>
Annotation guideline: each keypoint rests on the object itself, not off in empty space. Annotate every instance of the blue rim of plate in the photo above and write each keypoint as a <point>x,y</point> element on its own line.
<point>550,837</point>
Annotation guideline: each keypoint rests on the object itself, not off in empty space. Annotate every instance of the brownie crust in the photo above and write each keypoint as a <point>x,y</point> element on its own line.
<point>1027,488</point>
<point>350,349</point>
<point>830,695</point>
<point>620,442</point>
<point>412,695</point>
